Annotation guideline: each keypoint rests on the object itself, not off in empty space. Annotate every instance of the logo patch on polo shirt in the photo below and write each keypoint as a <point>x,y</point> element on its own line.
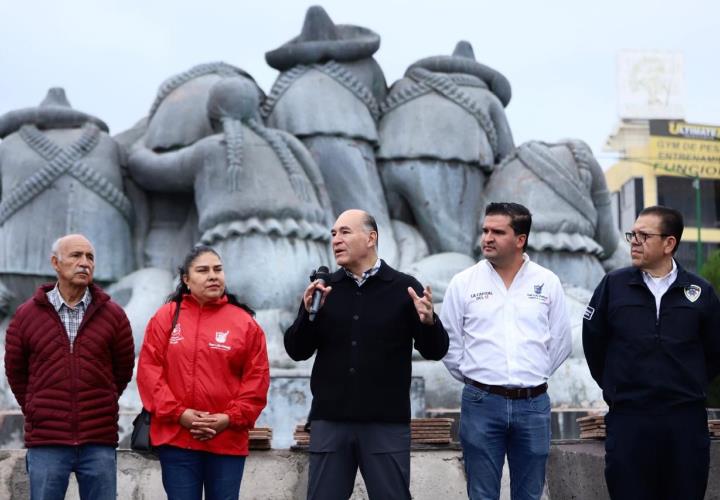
<point>692,292</point>
<point>538,293</point>
<point>589,312</point>
<point>481,295</point>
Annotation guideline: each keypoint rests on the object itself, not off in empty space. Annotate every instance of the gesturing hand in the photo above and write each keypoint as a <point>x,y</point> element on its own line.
<point>423,305</point>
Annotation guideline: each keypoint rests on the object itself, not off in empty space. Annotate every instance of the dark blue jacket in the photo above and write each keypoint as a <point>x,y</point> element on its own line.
<point>646,364</point>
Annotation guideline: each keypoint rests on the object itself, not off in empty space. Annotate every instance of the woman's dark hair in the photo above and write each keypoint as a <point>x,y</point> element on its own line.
<point>182,288</point>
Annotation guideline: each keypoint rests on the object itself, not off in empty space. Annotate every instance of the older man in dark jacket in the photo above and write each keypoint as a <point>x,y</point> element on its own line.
<point>68,356</point>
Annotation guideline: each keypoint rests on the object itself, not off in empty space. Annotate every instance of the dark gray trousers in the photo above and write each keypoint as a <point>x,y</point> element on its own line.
<point>381,450</point>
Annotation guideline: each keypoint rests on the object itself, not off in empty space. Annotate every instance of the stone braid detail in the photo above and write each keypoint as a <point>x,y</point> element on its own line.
<point>213,68</point>
<point>42,145</point>
<point>590,170</point>
<point>233,151</point>
<point>468,81</point>
<point>420,88</point>
<point>445,86</point>
<point>296,174</point>
<point>103,188</point>
<point>583,156</point>
<point>39,181</point>
<point>538,159</point>
<point>63,161</point>
<point>38,142</point>
<point>397,99</point>
<point>283,83</point>
<point>287,227</point>
<point>340,74</point>
<point>347,79</point>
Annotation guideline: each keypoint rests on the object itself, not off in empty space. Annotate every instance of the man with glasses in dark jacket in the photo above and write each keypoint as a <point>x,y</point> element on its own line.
<point>651,335</point>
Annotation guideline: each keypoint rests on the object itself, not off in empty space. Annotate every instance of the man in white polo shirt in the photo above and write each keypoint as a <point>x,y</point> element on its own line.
<point>509,331</point>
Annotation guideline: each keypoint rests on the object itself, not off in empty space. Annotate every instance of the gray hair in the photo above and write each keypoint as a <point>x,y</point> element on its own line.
<point>55,248</point>
<point>370,224</point>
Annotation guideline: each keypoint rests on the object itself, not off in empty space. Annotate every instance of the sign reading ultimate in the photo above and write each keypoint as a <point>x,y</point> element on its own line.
<point>685,148</point>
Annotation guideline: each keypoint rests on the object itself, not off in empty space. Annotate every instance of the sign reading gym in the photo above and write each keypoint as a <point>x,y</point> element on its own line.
<point>685,149</point>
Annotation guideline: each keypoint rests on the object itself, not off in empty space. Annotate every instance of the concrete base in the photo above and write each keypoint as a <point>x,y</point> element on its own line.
<point>575,471</point>
<point>269,475</point>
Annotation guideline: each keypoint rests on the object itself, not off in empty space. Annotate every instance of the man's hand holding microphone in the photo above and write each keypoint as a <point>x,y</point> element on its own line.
<point>317,291</point>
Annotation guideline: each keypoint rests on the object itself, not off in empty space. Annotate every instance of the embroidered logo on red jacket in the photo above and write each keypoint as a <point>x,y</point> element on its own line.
<point>176,335</point>
<point>220,339</point>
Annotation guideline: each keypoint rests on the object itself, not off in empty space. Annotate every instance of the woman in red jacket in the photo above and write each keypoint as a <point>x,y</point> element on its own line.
<point>203,374</point>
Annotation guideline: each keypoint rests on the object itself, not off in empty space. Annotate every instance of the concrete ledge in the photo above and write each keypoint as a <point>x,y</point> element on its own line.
<point>269,475</point>
<point>576,471</point>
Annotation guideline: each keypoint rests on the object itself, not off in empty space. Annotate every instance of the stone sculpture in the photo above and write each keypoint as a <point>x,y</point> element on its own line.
<point>177,119</point>
<point>60,174</point>
<point>328,95</point>
<point>443,127</point>
<point>204,167</point>
<point>564,187</point>
<point>260,198</point>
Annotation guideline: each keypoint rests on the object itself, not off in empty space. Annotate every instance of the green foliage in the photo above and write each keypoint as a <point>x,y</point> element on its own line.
<point>711,269</point>
<point>711,272</point>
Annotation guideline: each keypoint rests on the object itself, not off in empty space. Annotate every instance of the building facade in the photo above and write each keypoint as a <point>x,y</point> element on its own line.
<point>672,163</point>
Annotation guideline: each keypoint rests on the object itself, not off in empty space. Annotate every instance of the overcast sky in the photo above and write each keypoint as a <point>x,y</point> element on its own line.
<point>560,56</point>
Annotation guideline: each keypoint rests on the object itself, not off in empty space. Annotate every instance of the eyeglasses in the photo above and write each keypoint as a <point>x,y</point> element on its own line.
<point>641,237</point>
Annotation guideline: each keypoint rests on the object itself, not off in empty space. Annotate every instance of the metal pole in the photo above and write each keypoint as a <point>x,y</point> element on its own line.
<point>698,217</point>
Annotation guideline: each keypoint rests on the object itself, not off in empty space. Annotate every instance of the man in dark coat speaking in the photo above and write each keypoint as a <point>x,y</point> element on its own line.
<point>363,338</point>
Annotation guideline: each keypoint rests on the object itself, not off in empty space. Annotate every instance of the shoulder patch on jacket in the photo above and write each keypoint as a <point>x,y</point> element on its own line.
<point>692,292</point>
<point>589,312</point>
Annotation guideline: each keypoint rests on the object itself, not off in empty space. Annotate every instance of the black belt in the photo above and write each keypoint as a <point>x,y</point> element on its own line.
<point>510,392</point>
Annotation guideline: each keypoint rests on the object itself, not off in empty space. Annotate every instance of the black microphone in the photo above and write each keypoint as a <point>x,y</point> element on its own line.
<point>322,274</point>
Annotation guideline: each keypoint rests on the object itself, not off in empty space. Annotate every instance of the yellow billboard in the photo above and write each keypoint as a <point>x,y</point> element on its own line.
<point>687,149</point>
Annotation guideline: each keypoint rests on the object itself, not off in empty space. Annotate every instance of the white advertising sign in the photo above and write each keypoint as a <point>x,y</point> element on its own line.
<point>650,84</point>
